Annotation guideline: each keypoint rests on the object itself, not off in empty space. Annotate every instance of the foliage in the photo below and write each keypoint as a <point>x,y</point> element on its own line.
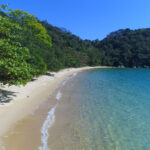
<point>21,39</point>
<point>29,47</point>
<point>34,37</point>
<point>129,48</point>
<point>28,36</point>
<point>69,50</point>
<point>14,66</point>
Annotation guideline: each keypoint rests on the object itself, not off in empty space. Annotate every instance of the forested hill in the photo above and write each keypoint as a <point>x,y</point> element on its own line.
<point>129,48</point>
<point>29,47</point>
<point>70,50</point>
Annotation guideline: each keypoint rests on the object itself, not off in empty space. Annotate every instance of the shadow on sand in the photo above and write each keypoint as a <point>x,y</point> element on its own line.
<point>6,96</point>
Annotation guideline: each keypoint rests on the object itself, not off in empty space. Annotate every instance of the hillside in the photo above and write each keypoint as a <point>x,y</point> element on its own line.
<point>70,50</point>
<point>29,47</point>
<point>129,48</point>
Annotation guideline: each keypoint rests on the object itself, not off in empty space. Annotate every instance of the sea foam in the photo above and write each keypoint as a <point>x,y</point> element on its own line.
<point>64,82</point>
<point>58,96</point>
<point>47,124</point>
<point>74,74</point>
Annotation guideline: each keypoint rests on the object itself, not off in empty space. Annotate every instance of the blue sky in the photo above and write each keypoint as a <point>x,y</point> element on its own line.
<point>89,19</point>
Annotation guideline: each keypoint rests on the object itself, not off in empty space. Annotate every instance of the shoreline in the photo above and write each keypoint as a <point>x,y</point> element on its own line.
<point>26,99</point>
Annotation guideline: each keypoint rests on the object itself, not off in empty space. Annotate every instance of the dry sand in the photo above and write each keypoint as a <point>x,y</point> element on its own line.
<point>26,99</point>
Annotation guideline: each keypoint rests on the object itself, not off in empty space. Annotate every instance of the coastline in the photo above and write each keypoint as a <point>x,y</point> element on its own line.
<point>26,99</point>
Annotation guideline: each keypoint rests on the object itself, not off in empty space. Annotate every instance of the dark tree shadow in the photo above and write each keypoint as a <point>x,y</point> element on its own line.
<point>33,79</point>
<point>50,74</point>
<point>6,96</point>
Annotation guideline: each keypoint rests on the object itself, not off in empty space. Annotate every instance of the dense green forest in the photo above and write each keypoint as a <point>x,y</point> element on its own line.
<point>29,47</point>
<point>129,48</point>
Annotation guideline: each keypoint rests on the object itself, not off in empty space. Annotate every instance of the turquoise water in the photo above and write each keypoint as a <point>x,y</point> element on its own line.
<point>106,109</point>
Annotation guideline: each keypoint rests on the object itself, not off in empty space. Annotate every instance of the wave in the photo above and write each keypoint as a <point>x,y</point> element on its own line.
<point>66,80</point>
<point>58,96</point>
<point>47,124</point>
<point>74,74</point>
<point>63,83</point>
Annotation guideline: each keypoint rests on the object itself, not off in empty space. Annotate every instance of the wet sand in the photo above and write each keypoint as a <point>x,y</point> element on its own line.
<point>26,133</point>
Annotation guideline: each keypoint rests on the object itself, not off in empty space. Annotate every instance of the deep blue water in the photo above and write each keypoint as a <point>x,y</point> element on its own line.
<point>110,110</point>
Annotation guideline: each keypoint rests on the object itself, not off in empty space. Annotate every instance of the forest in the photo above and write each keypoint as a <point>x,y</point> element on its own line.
<point>30,47</point>
<point>125,48</point>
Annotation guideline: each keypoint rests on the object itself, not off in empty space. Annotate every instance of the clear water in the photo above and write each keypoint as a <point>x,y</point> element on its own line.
<point>105,109</point>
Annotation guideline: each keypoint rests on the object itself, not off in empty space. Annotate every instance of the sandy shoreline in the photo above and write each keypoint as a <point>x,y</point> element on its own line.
<point>27,99</point>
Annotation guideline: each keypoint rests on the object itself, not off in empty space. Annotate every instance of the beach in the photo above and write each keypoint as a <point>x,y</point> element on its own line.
<point>26,99</point>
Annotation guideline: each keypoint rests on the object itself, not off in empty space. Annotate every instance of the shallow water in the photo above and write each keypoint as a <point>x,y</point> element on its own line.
<point>104,109</point>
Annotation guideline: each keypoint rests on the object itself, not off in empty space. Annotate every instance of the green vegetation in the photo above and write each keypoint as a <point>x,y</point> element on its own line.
<point>69,50</point>
<point>129,48</point>
<point>14,66</point>
<point>29,47</point>
<point>20,35</point>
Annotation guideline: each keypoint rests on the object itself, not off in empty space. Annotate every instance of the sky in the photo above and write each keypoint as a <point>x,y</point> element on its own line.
<point>88,19</point>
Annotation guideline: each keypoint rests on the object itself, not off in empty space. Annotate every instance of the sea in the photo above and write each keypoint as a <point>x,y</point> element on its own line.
<point>100,109</point>
<point>103,109</point>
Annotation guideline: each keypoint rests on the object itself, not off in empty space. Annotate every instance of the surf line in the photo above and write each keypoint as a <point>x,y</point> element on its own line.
<point>50,119</point>
<point>58,96</point>
<point>47,124</point>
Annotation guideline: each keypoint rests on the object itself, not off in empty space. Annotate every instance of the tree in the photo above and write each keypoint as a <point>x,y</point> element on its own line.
<point>34,37</point>
<point>14,66</point>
